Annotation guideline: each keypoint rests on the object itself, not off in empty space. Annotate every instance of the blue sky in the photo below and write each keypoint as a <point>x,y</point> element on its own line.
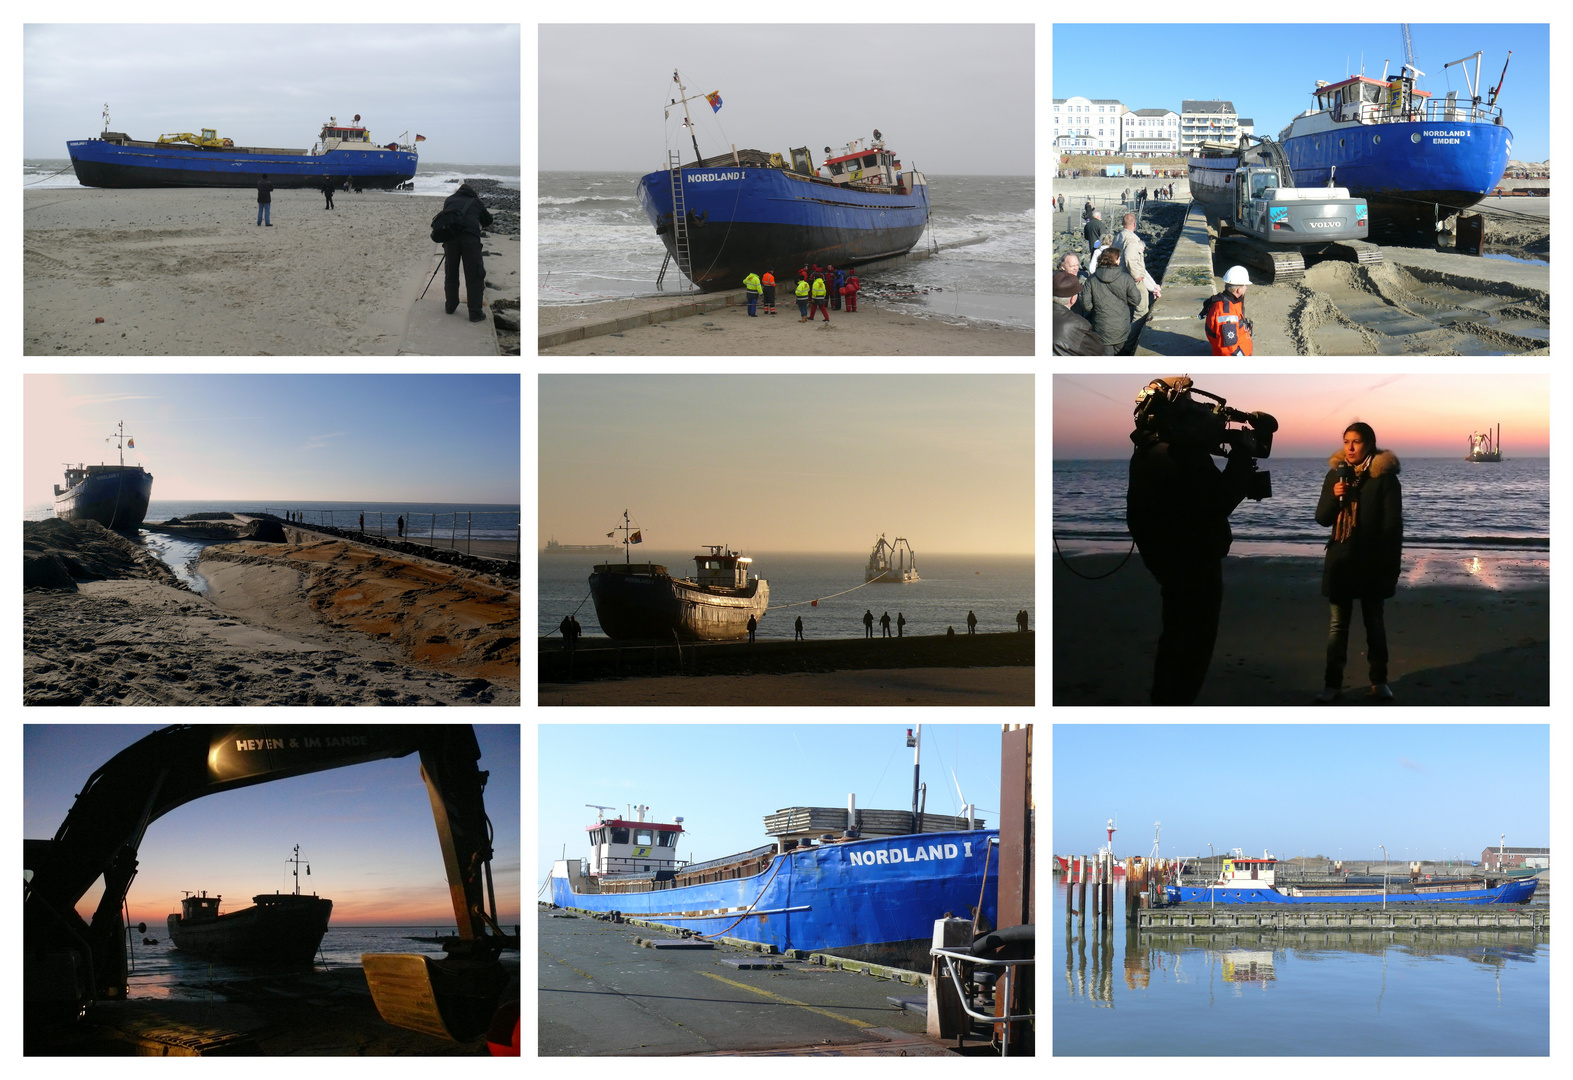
<point>1280,63</point>
<point>366,829</point>
<point>1425,790</point>
<point>724,779</point>
<point>252,438</point>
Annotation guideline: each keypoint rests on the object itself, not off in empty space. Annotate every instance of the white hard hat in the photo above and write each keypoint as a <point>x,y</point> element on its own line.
<point>1236,275</point>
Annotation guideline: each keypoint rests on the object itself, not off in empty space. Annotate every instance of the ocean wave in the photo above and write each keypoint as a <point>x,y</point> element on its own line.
<point>553,200</point>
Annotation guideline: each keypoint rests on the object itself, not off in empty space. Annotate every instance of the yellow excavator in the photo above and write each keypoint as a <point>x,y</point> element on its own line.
<point>71,963</point>
<point>208,140</point>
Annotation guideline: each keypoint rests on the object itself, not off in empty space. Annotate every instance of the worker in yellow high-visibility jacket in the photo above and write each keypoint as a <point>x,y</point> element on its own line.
<point>819,294</point>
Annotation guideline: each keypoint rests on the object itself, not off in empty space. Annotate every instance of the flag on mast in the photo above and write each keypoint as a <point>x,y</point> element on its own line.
<point>715,101</point>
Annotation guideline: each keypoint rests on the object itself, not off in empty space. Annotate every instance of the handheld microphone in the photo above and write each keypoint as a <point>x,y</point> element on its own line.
<point>1346,473</point>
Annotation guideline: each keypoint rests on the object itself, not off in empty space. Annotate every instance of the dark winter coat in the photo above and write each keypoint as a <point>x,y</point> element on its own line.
<point>1178,504</point>
<point>264,192</point>
<point>1073,336</point>
<point>1110,298</point>
<point>1366,565</point>
<point>469,206</point>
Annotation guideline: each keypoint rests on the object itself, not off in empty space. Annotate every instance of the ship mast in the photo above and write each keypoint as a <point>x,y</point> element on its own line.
<point>687,120</point>
<point>296,861</point>
<point>122,447</point>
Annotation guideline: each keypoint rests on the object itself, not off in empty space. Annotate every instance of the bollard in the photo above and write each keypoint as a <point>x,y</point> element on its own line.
<point>1081,906</point>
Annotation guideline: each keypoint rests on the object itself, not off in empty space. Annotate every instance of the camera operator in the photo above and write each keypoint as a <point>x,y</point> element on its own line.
<point>1177,508</point>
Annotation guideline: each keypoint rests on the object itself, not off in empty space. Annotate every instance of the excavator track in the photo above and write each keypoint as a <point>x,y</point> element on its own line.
<point>1366,254</point>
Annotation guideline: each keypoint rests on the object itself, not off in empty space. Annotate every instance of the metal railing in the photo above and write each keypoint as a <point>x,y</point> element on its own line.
<point>419,527</point>
<point>1002,992</point>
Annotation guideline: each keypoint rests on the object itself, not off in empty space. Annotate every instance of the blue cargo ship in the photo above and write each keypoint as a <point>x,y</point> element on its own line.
<point>115,496</point>
<point>825,885</point>
<point>344,152</point>
<point>747,211</point>
<point>1408,155</point>
<point>1251,881</point>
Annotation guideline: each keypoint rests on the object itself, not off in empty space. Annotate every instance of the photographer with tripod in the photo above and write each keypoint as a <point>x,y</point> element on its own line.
<point>1177,508</point>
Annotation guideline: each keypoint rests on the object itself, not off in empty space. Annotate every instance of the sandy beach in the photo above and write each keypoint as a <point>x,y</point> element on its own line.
<point>1464,629</point>
<point>905,686</point>
<point>188,272</point>
<point>728,331</point>
<point>320,623</point>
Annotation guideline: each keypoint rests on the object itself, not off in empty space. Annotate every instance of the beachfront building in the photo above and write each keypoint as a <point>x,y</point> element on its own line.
<point>1499,857</point>
<point>1150,132</point>
<point>1087,125</point>
<point>1207,121</point>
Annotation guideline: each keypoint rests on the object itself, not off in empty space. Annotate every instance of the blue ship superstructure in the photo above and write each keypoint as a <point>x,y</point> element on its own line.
<point>871,897</point>
<point>1251,881</point>
<point>750,211</point>
<point>115,496</point>
<point>1409,155</point>
<point>344,152</point>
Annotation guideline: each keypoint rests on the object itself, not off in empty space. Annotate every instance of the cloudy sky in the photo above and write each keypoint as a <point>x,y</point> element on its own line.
<point>276,85</point>
<point>949,99</point>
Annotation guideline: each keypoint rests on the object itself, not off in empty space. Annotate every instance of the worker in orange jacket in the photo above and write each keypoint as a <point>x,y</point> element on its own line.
<point>770,291</point>
<point>1228,330</point>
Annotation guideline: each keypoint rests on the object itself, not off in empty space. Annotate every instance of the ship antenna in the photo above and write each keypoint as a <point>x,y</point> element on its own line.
<point>296,861</point>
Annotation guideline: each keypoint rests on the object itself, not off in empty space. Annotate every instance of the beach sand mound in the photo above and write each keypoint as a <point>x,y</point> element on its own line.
<point>57,554</point>
<point>437,617</point>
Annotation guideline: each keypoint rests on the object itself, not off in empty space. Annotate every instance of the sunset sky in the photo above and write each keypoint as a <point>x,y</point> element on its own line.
<point>367,831</point>
<point>1414,415</point>
<point>790,463</point>
<point>252,438</point>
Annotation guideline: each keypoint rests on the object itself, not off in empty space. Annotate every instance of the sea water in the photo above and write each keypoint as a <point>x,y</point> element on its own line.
<point>1449,505</point>
<point>1295,993</point>
<point>993,587</point>
<point>595,243</point>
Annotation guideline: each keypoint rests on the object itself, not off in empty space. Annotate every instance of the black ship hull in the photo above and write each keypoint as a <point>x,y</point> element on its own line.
<point>632,605</point>
<point>115,496</point>
<point>280,931</point>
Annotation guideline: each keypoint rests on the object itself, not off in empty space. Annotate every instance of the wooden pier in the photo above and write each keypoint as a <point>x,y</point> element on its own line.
<point>1396,916</point>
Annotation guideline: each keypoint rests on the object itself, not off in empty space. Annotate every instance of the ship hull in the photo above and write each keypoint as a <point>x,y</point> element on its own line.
<point>143,165</point>
<point>1212,182</point>
<point>284,931</point>
<point>1513,892</point>
<point>744,221</point>
<point>870,899</point>
<point>114,496</point>
<point>1400,168</point>
<point>650,606</point>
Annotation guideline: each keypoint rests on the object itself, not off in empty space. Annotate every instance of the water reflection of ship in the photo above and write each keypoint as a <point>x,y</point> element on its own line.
<point>1247,966</point>
<point>1482,447</point>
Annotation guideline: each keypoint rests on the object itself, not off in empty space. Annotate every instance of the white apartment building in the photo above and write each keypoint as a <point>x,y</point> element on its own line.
<point>1150,131</point>
<point>1087,125</point>
<point>1202,121</point>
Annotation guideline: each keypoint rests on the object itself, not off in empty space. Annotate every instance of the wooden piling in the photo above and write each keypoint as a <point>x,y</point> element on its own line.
<point>1081,905</point>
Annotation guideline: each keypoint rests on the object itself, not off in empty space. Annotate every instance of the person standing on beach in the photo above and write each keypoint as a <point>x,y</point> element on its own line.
<point>868,624</point>
<point>1133,261</point>
<point>972,623</point>
<point>327,191</point>
<point>401,525</point>
<point>901,621</point>
<point>1364,504</point>
<point>751,283</point>
<point>1092,232</point>
<point>566,629</point>
<point>363,523</point>
<point>466,249</point>
<point>884,624</point>
<point>1110,297</point>
<point>769,282</point>
<point>1177,508</point>
<point>753,624</point>
<point>797,631</point>
<point>818,293</point>
<point>265,201</point>
<point>802,300</point>
<point>852,291</point>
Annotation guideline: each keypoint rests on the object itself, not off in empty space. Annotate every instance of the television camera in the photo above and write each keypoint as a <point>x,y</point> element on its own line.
<point>1169,410</point>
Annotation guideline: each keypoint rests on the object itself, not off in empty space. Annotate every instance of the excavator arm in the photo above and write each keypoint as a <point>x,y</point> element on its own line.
<point>70,962</point>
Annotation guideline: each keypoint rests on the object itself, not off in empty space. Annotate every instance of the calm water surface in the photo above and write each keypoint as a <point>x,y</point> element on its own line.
<point>1297,993</point>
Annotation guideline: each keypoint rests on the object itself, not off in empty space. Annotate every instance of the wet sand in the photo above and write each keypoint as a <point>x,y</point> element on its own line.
<point>187,271</point>
<point>728,331</point>
<point>905,686</point>
<point>1459,633</point>
<point>322,623</point>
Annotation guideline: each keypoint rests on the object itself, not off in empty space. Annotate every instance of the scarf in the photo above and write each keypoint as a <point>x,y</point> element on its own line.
<point>1344,527</point>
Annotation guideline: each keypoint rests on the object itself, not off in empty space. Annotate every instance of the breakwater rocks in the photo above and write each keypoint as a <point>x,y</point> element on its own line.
<point>500,567</point>
<point>57,554</point>
<point>503,204</point>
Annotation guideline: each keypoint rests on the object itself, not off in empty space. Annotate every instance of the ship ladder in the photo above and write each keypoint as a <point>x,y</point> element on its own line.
<point>679,222</point>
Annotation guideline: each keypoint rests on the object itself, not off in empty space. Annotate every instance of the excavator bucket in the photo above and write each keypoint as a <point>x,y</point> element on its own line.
<point>422,994</point>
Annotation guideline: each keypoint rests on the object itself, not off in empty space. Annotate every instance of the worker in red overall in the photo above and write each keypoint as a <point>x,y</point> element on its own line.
<point>852,291</point>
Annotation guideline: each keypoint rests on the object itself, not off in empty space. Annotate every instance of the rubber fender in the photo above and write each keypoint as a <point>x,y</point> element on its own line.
<point>1011,943</point>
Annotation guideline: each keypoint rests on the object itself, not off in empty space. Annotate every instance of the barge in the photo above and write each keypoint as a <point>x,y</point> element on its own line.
<point>1251,881</point>
<point>281,929</point>
<point>115,496</point>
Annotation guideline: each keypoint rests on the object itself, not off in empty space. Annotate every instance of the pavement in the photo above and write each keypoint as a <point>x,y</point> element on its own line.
<point>432,332</point>
<point>611,317</point>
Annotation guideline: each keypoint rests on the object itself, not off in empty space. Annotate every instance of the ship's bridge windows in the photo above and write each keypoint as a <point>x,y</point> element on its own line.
<point>870,160</point>
<point>619,836</point>
<point>644,837</point>
<point>667,839</point>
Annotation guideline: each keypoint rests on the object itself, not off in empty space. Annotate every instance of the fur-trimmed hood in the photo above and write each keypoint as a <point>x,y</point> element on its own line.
<point>1385,462</point>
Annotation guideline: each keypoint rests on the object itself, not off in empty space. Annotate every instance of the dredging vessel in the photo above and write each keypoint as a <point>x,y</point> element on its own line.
<point>747,211</point>
<point>343,152</point>
<point>1250,881</point>
<point>554,548</point>
<point>1484,448</point>
<point>115,496</point>
<point>861,883</point>
<point>643,601</point>
<point>891,563</point>
<point>284,929</point>
<point>1409,156</point>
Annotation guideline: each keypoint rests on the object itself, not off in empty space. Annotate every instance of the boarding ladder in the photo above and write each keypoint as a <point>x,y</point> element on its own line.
<point>679,224</point>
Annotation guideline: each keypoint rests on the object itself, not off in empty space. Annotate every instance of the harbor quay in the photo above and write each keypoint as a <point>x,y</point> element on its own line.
<point>617,988</point>
<point>1408,916</point>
